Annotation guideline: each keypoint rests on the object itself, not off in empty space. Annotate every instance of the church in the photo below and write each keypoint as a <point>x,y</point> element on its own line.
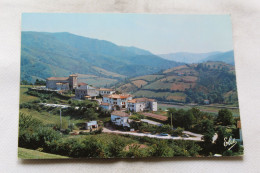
<point>62,83</point>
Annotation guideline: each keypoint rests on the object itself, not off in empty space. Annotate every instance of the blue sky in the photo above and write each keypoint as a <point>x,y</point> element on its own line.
<point>158,33</point>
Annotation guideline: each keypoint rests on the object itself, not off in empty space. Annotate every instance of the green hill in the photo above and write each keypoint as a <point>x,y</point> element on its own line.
<point>59,54</point>
<point>215,81</point>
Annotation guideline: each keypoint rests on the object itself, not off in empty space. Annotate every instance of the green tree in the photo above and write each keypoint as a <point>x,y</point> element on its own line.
<point>115,148</point>
<point>207,129</point>
<point>225,117</point>
<point>222,135</point>
<point>161,149</point>
<point>188,120</point>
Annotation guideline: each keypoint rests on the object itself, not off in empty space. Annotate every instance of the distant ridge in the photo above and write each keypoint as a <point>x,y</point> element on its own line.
<point>186,57</point>
<point>46,54</point>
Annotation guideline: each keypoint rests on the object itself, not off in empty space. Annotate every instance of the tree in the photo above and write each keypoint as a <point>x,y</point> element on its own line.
<point>225,117</point>
<point>197,114</point>
<point>161,149</point>
<point>91,114</point>
<point>222,135</point>
<point>207,127</point>
<point>39,82</point>
<point>188,120</point>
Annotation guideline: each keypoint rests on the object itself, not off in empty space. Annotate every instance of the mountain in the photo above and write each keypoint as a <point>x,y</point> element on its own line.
<point>187,57</point>
<point>190,83</point>
<point>227,57</point>
<point>59,54</point>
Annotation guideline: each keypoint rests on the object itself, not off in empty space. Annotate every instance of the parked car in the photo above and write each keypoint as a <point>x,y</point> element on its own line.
<point>185,136</point>
<point>153,133</point>
<point>174,135</point>
<point>163,134</point>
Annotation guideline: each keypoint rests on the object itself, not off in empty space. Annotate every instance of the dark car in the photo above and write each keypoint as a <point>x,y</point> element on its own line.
<point>174,135</point>
<point>185,136</point>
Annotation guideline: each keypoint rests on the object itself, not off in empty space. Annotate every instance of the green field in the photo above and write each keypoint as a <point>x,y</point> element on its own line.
<point>148,78</point>
<point>201,107</point>
<point>177,96</point>
<point>157,85</point>
<point>33,154</point>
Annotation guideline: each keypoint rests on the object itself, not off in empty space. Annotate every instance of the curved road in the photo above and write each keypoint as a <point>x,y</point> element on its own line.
<point>196,138</point>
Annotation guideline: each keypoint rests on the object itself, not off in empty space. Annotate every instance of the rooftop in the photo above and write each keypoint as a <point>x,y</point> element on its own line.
<point>58,78</point>
<point>82,84</point>
<point>73,75</point>
<point>105,89</point>
<point>138,100</point>
<point>120,113</point>
<point>105,104</point>
<point>118,96</point>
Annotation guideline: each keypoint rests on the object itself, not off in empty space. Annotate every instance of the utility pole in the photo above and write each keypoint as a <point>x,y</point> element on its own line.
<point>60,120</point>
<point>171,119</point>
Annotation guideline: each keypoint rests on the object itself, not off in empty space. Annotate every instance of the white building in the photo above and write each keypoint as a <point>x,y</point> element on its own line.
<point>105,91</point>
<point>91,125</point>
<point>116,101</point>
<point>120,118</point>
<point>142,104</point>
<point>86,92</point>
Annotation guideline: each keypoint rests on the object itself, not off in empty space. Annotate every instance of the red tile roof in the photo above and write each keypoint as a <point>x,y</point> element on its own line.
<point>120,113</point>
<point>58,78</point>
<point>105,89</point>
<point>138,100</point>
<point>105,104</point>
<point>82,84</point>
<point>118,96</point>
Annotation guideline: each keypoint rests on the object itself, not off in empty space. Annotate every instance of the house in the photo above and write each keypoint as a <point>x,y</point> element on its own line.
<point>62,83</point>
<point>120,118</point>
<point>142,104</point>
<point>106,106</point>
<point>206,102</point>
<point>116,101</point>
<point>86,92</point>
<point>91,125</point>
<point>105,91</point>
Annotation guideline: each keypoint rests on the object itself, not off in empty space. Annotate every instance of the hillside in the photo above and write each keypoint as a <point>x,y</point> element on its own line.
<point>60,54</point>
<point>186,57</point>
<point>215,81</point>
<point>227,57</point>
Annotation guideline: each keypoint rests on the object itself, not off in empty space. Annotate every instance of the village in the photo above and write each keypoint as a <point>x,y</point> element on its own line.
<point>121,106</point>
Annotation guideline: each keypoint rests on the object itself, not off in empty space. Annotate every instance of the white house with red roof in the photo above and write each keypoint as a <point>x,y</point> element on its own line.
<point>120,118</point>
<point>142,104</point>
<point>85,91</point>
<point>105,91</point>
<point>115,101</point>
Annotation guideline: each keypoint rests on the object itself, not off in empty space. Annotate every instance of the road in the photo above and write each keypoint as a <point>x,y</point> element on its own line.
<point>196,138</point>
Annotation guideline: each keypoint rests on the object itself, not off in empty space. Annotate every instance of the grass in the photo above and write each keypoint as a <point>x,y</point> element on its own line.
<point>33,154</point>
<point>44,116</point>
<point>24,97</point>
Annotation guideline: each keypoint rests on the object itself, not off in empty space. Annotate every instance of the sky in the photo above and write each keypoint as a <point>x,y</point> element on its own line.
<point>157,33</point>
